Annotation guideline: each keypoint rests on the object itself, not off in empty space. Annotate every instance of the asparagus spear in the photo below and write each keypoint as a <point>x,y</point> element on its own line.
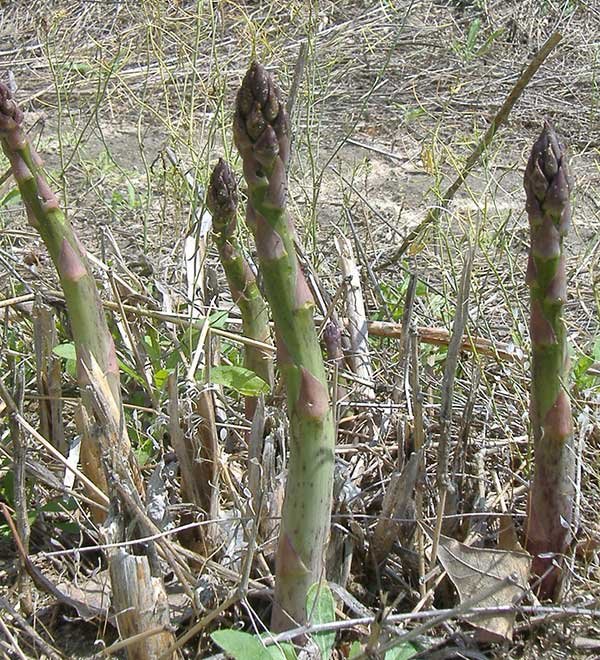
<point>222,201</point>
<point>261,133</point>
<point>550,507</point>
<point>88,323</point>
<point>139,598</point>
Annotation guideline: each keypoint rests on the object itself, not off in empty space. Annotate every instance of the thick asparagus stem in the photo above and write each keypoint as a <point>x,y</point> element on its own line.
<point>550,507</point>
<point>261,134</point>
<point>88,323</point>
<point>222,202</point>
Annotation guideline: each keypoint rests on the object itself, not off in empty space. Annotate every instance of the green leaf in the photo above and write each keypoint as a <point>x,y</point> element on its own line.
<point>472,36</point>
<point>116,199</point>
<point>282,652</point>
<point>80,67</point>
<point>435,354</point>
<point>189,339</point>
<point>71,367</point>
<point>7,487</point>
<point>132,373</point>
<point>68,527</point>
<point>320,607</point>
<point>241,645</point>
<point>244,646</point>
<point>403,651</point>
<point>66,351</point>
<point>218,320</point>
<point>355,650</point>
<point>131,195</point>
<point>580,370</point>
<point>152,343</point>
<point>144,451</point>
<point>59,505</point>
<point>11,197</point>
<point>172,360</point>
<point>53,506</point>
<point>240,379</point>
<point>161,376</point>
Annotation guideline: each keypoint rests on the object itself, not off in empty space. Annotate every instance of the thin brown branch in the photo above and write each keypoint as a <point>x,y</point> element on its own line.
<point>441,337</point>
<point>499,119</point>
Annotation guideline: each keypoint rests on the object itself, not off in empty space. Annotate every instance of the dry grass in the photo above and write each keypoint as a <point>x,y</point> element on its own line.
<point>394,97</point>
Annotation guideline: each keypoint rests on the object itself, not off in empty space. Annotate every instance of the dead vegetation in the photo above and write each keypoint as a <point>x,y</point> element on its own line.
<point>130,105</point>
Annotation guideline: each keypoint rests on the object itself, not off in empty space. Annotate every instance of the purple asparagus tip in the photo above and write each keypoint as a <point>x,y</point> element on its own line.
<point>11,117</point>
<point>547,179</point>
<point>222,195</point>
<point>261,121</point>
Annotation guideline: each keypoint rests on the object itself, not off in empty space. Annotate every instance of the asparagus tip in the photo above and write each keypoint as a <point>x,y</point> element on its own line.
<point>259,101</point>
<point>222,195</point>
<point>547,179</point>
<point>11,116</point>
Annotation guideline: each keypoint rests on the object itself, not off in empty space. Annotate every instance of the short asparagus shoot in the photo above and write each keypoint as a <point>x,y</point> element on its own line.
<point>222,200</point>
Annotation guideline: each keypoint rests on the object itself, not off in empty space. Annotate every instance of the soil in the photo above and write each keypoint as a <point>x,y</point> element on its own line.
<point>394,97</point>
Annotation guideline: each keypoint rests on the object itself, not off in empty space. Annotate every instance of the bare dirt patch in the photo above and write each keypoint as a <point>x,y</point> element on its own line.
<point>394,97</point>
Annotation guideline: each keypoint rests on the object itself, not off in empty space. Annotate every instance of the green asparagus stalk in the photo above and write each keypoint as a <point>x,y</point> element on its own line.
<point>88,323</point>
<point>550,507</point>
<point>261,133</point>
<point>139,598</point>
<point>222,202</point>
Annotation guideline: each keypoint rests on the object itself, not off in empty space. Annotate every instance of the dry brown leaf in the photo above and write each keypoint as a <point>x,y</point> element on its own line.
<point>93,590</point>
<point>477,570</point>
